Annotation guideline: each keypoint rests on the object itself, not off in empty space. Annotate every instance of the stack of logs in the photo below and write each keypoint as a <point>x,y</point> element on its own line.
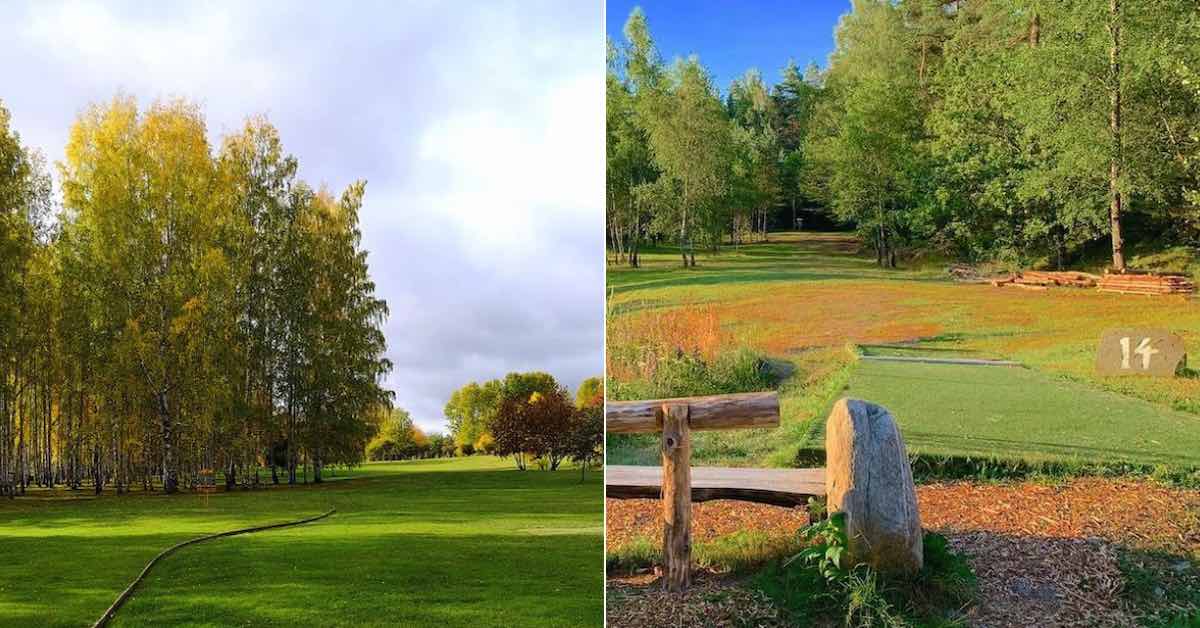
<point>1146,284</point>
<point>1040,280</point>
<point>1128,283</point>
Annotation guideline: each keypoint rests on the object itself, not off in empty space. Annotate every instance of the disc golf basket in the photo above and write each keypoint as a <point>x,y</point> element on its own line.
<point>206,483</point>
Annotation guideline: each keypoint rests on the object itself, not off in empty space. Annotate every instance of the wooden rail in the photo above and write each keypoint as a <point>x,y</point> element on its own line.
<point>778,487</point>
<point>717,412</point>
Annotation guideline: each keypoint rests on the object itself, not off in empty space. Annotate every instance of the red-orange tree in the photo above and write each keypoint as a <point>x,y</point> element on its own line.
<point>535,428</point>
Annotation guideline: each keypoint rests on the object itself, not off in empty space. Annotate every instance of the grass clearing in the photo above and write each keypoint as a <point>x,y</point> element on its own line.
<point>802,298</point>
<point>449,542</point>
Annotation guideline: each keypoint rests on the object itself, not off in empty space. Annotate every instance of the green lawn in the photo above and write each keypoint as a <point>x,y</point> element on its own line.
<point>1018,412</point>
<point>455,542</point>
<point>802,299</point>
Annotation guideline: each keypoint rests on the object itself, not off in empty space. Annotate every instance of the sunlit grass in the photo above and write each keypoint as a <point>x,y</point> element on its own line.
<point>800,299</point>
<point>459,542</point>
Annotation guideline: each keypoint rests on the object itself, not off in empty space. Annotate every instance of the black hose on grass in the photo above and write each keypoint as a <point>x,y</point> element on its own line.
<point>112,610</point>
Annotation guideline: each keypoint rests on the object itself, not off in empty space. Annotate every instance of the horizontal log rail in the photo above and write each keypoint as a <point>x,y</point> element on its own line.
<point>777,487</point>
<point>716,412</point>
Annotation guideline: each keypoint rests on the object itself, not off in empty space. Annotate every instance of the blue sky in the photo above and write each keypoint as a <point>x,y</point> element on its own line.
<point>731,37</point>
<point>478,125</point>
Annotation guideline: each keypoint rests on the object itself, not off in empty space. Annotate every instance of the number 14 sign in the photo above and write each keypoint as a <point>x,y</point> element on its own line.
<point>1133,351</point>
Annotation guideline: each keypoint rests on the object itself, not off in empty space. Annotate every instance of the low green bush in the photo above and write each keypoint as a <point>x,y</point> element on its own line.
<point>816,582</point>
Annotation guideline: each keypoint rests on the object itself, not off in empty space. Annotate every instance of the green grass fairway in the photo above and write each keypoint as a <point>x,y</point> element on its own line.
<point>1012,412</point>
<point>801,299</point>
<point>454,542</point>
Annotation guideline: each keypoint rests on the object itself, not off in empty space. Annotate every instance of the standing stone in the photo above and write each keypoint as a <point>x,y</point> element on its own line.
<point>868,477</point>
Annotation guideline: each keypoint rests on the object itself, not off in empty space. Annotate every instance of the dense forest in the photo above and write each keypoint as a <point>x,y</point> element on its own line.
<point>173,311</point>
<point>1016,131</point>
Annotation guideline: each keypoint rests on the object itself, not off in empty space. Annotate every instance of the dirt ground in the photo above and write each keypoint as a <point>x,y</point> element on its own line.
<point>1045,555</point>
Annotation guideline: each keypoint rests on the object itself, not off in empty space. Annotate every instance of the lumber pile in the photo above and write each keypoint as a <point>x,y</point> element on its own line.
<point>1041,279</point>
<point>1131,283</point>
<point>1069,278</point>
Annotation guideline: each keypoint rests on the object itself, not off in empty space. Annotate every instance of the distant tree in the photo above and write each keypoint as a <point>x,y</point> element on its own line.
<point>485,444</point>
<point>590,393</point>
<point>690,139</point>
<point>629,163</point>
<point>755,176</point>
<point>534,428</point>
<point>585,440</point>
<point>399,438</point>
<point>470,410</point>
<point>869,128</point>
<point>524,385</point>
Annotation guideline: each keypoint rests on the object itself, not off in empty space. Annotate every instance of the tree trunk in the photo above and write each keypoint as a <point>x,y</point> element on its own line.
<point>1114,168</point>
<point>879,244</point>
<point>97,477</point>
<point>635,232</point>
<point>169,478</point>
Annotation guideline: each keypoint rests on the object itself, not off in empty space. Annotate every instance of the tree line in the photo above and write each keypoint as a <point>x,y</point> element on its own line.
<point>399,438</point>
<point>531,418</point>
<point>181,311</point>
<point>1009,131</point>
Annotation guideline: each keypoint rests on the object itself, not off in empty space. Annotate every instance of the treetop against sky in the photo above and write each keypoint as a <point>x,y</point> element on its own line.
<point>731,38</point>
<point>477,141</point>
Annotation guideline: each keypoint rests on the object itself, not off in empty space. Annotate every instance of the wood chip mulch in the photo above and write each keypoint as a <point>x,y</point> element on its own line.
<point>1045,555</point>
<point>629,518</point>
<point>712,600</point>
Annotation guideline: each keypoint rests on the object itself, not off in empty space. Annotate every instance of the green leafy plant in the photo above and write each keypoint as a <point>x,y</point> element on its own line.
<point>825,541</point>
<point>819,581</point>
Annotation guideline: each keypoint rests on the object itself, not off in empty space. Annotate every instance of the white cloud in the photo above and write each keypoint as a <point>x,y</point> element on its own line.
<point>479,128</point>
<point>193,48</point>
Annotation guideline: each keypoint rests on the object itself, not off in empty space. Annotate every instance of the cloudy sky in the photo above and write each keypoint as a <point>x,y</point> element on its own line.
<point>479,130</point>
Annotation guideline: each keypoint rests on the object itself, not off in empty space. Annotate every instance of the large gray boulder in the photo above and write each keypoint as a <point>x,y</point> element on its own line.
<point>867,476</point>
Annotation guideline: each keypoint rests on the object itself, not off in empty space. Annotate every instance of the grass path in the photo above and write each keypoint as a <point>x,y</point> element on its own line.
<point>462,542</point>
<point>1017,412</point>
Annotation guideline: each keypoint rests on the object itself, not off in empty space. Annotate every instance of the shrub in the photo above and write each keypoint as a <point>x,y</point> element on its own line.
<point>816,582</point>
<point>686,375</point>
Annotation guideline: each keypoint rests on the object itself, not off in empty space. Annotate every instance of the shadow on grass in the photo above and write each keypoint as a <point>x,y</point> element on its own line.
<point>1046,580</point>
<point>471,528</point>
<point>407,579</point>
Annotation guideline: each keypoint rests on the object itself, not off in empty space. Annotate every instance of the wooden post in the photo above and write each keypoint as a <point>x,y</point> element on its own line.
<point>676,497</point>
